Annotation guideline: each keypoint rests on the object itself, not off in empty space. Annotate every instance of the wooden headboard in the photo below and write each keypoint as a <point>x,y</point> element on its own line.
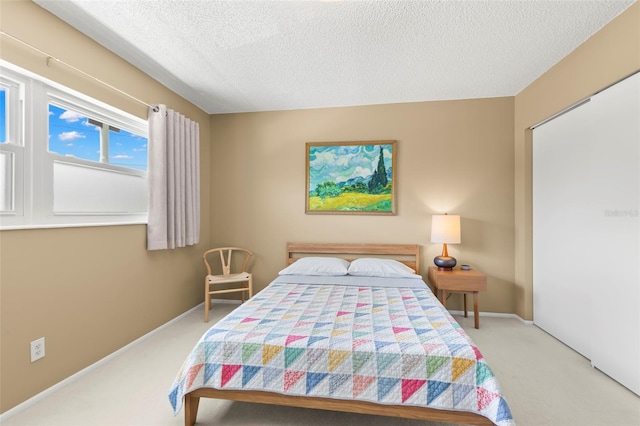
<point>409,254</point>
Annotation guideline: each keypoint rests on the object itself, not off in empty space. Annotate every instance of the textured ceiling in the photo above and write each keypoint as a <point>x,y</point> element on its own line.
<point>239,56</point>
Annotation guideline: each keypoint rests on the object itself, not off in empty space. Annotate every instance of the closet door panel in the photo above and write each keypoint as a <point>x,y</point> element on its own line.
<point>615,155</point>
<point>562,268</point>
<point>586,230</point>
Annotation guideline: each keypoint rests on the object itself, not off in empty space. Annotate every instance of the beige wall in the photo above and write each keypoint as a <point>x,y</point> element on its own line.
<point>610,55</point>
<point>88,291</point>
<point>453,156</point>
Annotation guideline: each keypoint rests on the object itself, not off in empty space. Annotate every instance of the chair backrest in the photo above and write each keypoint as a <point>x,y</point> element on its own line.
<point>226,256</point>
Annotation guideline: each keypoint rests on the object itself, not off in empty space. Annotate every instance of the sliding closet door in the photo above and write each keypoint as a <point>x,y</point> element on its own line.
<point>616,193</point>
<point>563,270</point>
<point>586,233</point>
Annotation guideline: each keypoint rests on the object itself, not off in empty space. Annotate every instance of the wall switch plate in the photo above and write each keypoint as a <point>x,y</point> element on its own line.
<point>37,349</point>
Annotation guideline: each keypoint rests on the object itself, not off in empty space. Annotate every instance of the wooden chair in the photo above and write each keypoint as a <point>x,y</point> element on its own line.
<point>211,281</point>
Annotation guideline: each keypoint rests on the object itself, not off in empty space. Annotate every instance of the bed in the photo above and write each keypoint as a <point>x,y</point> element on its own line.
<point>374,340</point>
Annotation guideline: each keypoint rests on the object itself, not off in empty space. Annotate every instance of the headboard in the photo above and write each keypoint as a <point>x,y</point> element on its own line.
<point>409,254</point>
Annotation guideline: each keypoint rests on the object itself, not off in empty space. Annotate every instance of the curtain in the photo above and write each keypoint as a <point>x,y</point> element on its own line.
<point>174,180</point>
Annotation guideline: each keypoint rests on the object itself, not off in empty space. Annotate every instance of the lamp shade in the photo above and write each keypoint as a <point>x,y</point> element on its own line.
<point>445,228</point>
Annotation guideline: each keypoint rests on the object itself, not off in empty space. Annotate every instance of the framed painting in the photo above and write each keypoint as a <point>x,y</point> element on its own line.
<point>351,177</point>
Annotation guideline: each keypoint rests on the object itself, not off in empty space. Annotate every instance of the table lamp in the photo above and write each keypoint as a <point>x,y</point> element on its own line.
<point>445,229</point>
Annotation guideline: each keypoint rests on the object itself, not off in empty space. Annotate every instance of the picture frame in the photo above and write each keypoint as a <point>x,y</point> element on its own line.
<point>351,177</point>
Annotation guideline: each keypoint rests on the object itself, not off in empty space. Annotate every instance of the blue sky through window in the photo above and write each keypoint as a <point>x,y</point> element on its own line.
<point>3,115</point>
<point>71,134</point>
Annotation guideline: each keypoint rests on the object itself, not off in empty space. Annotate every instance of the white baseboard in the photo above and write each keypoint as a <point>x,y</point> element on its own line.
<point>227,301</point>
<point>36,398</point>
<point>493,314</point>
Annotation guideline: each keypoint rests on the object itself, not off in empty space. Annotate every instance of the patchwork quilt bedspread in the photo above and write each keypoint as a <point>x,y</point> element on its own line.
<point>395,345</point>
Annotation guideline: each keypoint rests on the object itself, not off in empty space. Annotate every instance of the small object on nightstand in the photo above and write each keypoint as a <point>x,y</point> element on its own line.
<point>465,267</point>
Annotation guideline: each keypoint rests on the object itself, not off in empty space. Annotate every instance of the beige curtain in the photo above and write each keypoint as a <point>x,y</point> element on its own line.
<point>174,180</point>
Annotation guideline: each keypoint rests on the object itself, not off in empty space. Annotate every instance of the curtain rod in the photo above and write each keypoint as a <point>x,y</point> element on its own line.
<point>58,60</point>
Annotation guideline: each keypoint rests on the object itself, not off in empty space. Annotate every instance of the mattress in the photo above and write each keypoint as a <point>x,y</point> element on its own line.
<point>387,341</point>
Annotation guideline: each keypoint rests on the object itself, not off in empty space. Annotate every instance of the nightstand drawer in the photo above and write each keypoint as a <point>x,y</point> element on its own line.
<point>457,280</point>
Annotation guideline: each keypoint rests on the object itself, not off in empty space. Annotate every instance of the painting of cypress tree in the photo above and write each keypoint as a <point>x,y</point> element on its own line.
<point>378,181</point>
<point>350,177</point>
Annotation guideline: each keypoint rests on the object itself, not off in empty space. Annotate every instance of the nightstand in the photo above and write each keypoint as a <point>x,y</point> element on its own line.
<point>459,281</point>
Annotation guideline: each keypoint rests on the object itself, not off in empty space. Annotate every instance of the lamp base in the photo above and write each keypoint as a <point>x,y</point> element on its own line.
<point>444,263</point>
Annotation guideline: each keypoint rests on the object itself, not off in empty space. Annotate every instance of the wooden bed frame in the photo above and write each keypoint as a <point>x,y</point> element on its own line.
<point>409,254</point>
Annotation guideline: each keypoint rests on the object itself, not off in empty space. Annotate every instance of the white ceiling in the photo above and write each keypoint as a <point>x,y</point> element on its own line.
<point>239,56</point>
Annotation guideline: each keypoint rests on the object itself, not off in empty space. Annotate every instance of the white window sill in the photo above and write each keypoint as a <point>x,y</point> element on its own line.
<point>68,225</point>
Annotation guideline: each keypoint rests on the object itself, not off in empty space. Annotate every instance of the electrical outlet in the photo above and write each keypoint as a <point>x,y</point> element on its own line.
<point>37,349</point>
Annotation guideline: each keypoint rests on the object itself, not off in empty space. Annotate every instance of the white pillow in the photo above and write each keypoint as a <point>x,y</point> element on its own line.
<point>388,268</point>
<point>317,266</point>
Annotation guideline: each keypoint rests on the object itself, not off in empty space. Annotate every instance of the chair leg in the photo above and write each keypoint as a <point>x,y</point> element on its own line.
<point>250,286</point>
<point>207,301</point>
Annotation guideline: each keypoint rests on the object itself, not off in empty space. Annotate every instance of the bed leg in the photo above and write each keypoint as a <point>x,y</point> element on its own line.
<point>190,409</point>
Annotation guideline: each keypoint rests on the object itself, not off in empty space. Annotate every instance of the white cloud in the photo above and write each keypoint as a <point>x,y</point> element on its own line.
<point>325,157</point>
<point>362,172</point>
<point>121,157</point>
<point>71,116</point>
<point>69,136</point>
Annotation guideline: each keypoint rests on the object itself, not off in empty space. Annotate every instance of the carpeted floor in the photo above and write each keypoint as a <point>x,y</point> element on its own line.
<point>544,381</point>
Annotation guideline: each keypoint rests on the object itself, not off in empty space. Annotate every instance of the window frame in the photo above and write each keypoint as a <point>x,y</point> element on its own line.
<point>34,178</point>
<point>15,86</point>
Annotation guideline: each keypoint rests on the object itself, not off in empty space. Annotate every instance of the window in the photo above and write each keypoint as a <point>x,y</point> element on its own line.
<point>11,97</point>
<point>89,159</point>
<point>73,134</point>
<point>3,114</point>
<point>11,144</point>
